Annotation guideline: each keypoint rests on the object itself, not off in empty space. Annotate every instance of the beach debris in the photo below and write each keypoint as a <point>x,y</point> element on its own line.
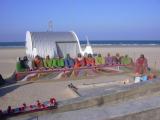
<point>72,87</point>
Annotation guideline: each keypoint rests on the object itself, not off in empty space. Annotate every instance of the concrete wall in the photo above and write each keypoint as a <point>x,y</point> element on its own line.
<point>153,114</point>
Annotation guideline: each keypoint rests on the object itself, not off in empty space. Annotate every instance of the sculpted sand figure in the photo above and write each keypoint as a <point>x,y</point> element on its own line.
<point>141,64</point>
<point>69,62</point>
<point>108,59</point>
<point>48,62</point>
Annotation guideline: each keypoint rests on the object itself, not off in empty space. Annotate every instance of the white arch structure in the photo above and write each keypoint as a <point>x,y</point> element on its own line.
<point>53,44</point>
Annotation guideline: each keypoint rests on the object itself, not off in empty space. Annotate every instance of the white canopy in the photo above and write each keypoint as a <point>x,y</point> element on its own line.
<point>54,44</point>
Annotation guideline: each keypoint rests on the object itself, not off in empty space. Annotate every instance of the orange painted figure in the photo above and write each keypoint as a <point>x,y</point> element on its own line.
<point>90,61</point>
<point>37,63</point>
<point>79,61</point>
<point>141,64</point>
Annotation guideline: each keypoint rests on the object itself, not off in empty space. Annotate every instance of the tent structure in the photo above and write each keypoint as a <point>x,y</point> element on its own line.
<point>88,49</point>
<point>54,44</point>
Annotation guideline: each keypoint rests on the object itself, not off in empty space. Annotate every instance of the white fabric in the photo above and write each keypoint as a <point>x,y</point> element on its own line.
<point>137,79</point>
<point>46,43</point>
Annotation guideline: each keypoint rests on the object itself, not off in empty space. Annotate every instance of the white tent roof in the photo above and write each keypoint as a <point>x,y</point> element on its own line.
<point>52,43</point>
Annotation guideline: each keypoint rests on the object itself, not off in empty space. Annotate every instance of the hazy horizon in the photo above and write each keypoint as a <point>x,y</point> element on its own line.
<point>83,40</point>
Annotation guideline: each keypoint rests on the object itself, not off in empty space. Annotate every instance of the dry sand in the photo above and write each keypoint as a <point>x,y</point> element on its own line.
<point>8,57</point>
<point>15,95</point>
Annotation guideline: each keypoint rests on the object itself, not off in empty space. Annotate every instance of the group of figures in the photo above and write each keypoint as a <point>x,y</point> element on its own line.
<point>69,62</point>
<point>140,66</point>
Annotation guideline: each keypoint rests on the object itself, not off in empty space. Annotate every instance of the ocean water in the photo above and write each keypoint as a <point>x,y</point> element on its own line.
<point>12,44</point>
<point>96,43</point>
<point>123,42</point>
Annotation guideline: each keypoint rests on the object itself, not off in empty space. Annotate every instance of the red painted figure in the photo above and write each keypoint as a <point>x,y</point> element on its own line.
<point>38,104</point>
<point>90,61</point>
<point>79,61</point>
<point>141,64</point>
<point>53,101</point>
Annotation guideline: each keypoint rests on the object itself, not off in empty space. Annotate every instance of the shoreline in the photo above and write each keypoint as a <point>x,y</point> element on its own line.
<point>95,45</point>
<point>12,47</point>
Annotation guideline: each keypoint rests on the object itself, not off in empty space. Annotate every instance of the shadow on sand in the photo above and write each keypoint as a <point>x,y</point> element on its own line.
<point>9,88</point>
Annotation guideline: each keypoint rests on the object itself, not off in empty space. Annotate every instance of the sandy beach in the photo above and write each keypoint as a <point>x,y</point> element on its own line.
<point>100,60</point>
<point>8,56</point>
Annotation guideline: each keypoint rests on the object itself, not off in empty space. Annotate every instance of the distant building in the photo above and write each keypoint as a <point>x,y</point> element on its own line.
<point>54,44</point>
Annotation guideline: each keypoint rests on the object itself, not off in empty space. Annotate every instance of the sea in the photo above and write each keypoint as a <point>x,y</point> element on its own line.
<point>95,43</point>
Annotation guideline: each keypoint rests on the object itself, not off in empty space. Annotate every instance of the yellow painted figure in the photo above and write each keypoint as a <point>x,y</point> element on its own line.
<point>99,60</point>
<point>48,62</point>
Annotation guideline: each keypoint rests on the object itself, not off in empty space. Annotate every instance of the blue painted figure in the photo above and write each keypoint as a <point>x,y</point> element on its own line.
<point>69,62</point>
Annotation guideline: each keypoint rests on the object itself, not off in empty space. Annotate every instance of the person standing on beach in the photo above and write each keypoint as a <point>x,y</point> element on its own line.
<point>141,65</point>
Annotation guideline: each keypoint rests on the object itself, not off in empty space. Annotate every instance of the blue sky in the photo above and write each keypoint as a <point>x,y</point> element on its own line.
<point>98,19</point>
